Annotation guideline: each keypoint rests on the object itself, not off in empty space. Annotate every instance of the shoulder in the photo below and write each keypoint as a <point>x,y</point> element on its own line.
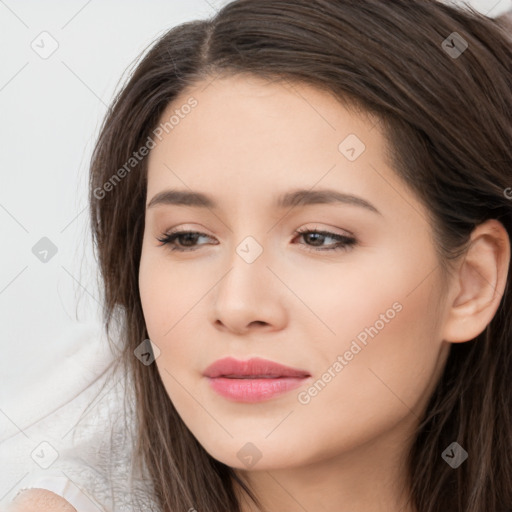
<point>39,500</point>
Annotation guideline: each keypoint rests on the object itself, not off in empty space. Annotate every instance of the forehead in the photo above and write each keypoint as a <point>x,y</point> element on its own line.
<point>243,113</point>
<point>250,137</point>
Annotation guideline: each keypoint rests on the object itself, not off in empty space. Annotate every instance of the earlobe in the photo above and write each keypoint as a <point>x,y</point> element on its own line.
<point>481,281</point>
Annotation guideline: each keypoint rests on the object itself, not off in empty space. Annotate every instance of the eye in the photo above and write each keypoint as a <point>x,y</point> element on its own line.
<point>343,242</point>
<point>190,237</point>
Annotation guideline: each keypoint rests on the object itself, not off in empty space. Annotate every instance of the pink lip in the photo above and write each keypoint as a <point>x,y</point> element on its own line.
<point>254,380</point>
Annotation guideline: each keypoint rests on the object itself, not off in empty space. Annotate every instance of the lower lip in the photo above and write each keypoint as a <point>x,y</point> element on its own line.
<point>254,390</point>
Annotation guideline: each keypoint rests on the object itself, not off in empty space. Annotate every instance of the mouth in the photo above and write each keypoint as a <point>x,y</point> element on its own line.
<point>254,368</point>
<point>252,376</point>
<point>254,380</point>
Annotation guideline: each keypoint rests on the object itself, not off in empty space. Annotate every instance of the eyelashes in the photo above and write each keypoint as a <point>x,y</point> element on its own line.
<point>342,242</point>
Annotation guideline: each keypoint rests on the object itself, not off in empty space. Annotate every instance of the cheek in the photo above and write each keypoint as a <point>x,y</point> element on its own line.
<point>152,288</point>
<point>389,346</point>
<point>168,293</point>
<point>171,294</point>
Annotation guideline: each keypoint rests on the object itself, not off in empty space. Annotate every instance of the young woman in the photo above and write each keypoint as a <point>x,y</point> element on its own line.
<point>306,207</point>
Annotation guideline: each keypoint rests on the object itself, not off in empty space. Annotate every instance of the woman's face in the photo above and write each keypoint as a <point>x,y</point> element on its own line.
<point>358,316</point>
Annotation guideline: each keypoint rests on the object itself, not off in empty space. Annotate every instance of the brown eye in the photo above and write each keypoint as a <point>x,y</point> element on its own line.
<point>186,239</point>
<point>343,242</point>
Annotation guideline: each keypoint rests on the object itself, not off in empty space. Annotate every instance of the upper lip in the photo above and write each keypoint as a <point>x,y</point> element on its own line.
<point>230,367</point>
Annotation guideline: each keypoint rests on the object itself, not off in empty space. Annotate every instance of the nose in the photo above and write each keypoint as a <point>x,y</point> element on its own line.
<point>249,297</point>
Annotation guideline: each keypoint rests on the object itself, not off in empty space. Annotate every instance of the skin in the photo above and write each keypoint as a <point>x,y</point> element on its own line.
<point>246,142</point>
<point>39,500</point>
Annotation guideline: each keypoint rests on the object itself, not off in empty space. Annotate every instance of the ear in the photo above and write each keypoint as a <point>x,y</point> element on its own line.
<point>479,283</point>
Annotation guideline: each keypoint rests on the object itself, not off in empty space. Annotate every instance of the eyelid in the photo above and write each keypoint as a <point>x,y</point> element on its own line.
<point>333,230</point>
<point>188,228</point>
<point>308,227</point>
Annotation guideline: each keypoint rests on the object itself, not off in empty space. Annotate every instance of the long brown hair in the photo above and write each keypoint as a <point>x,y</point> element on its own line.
<point>445,103</point>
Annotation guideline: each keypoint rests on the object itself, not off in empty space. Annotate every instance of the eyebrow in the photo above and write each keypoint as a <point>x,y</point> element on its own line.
<point>290,199</point>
